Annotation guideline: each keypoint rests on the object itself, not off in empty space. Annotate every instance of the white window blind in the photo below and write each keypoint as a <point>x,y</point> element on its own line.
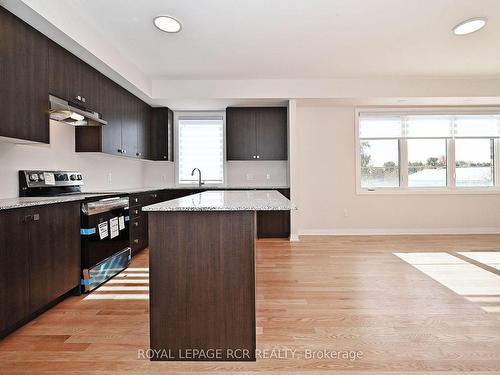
<point>201,145</point>
<point>383,126</point>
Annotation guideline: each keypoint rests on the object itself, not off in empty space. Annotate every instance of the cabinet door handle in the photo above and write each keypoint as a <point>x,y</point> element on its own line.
<point>29,218</point>
<point>124,151</point>
<point>136,200</point>
<point>136,212</point>
<point>154,195</point>
<point>138,154</point>
<point>79,98</point>
<point>83,99</point>
<point>254,156</point>
<point>136,241</point>
<point>258,156</point>
<point>164,156</point>
<point>136,224</point>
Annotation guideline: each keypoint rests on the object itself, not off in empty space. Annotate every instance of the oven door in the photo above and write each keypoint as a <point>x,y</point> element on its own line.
<point>105,237</point>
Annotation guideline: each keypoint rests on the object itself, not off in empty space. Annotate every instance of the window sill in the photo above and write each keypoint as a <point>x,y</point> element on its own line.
<point>402,191</point>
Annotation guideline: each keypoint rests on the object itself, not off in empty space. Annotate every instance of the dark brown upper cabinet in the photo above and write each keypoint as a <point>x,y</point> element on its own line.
<point>127,129</point>
<point>162,134</point>
<point>256,133</point>
<point>72,79</point>
<point>24,77</point>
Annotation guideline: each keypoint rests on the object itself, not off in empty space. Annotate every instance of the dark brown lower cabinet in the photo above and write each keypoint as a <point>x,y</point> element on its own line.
<point>39,260</point>
<point>274,224</point>
<point>139,219</point>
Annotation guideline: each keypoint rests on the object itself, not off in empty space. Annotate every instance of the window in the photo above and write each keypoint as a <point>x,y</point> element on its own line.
<point>474,162</point>
<point>379,163</point>
<point>427,151</point>
<point>200,145</point>
<point>427,162</point>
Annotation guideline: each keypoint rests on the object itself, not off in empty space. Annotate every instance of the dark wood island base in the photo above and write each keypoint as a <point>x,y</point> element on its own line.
<point>202,285</point>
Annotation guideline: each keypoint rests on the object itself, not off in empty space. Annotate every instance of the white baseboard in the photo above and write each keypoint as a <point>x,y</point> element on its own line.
<point>397,231</point>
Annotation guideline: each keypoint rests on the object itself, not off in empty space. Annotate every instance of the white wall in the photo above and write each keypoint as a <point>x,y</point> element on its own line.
<point>60,154</point>
<point>325,185</point>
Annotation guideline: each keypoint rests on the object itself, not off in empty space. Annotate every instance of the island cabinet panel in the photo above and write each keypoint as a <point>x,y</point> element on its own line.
<point>202,284</point>
<point>162,134</point>
<point>257,133</point>
<point>42,264</point>
<point>24,78</point>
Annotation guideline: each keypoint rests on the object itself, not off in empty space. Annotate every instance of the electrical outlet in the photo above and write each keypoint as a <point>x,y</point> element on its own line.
<point>346,214</point>
<point>110,177</point>
<point>268,176</point>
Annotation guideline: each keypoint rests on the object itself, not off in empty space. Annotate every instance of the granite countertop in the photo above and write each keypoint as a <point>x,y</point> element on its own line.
<point>186,187</point>
<point>9,203</point>
<point>226,200</point>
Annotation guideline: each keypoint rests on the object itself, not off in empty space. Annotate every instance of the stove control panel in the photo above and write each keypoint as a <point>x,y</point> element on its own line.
<point>35,178</point>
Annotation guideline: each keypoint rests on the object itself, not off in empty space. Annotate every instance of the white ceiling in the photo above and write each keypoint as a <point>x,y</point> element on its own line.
<point>252,39</point>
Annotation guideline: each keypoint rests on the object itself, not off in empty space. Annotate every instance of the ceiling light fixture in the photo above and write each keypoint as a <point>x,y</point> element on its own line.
<point>167,24</point>
<point>469,26</point>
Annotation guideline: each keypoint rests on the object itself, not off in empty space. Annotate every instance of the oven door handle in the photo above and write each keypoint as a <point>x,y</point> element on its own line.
<point>104,205</point>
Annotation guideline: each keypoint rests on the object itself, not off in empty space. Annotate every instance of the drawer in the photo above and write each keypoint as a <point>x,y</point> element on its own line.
<point>136,200</point>
<point>135,212</point>
<point>138,233</point>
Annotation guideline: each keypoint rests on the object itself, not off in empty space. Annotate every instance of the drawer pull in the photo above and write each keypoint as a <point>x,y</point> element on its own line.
<point>136,224</point>
<point>28,218</point>
<point>136,241</point>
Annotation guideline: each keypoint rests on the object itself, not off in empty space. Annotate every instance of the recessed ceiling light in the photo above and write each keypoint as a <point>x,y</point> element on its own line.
<point>167,24</point>
<point>469,26</point>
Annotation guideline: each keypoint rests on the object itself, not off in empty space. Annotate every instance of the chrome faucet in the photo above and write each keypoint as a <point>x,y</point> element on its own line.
<point>199,176</point>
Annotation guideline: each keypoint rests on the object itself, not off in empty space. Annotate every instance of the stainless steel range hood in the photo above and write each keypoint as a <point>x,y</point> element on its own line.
<point>68,113</point>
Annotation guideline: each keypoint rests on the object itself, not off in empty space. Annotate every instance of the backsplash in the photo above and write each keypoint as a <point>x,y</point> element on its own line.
<point>106,172</point>
<point>101,172</point>
<point>257,173</point>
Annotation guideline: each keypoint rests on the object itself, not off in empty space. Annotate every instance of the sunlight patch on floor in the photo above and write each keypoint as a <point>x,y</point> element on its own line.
<point>490,258</point>
<point>461,277</point>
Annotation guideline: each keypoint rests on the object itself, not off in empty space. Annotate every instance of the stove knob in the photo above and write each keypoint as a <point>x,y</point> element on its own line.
<point>41,177</point>
<point>79,177</point>
<point>72,177</point>
<point>33,177</point>
<point>59,177</point>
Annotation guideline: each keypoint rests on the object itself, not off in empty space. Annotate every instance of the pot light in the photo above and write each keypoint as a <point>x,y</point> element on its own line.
<point>167,24</point>
<point>469,26</point>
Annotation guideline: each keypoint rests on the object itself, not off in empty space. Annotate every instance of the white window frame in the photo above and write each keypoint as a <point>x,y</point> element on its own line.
<point>403,156</point>
<point>201,114</point>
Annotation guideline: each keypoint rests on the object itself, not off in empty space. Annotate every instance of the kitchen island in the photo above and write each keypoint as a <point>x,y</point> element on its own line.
<point>202,274</point>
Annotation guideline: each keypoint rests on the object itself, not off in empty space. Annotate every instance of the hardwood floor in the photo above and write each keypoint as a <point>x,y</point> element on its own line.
<point>323,293</point>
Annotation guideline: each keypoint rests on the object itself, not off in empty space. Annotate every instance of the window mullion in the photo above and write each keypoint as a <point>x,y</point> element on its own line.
<point>403,162</point>
<point>451,164</point>
<point>496,160</point>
